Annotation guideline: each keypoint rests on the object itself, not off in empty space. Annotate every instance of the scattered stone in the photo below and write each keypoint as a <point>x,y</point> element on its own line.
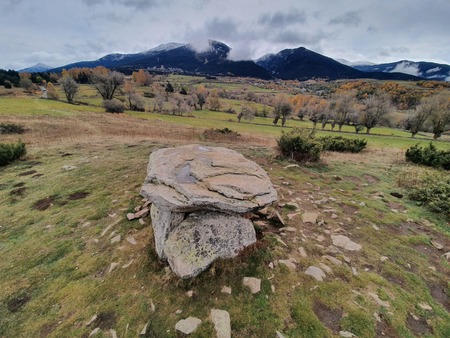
<point>226,290</point>
<point>93,318</point>
<point>222,323</point>
<point>68,167</point>
<point>310,217</point>
<point>112,267</point>
<point>320,238</point>
<point>127,265</point>
<point>330,211</point>
<point>285,183</point>
<point>354,272</point>
<point>291,166</point>
<point>437,245</point>
<point>190,293</point>
<point>290,229</point>
<point>253,283</point>
<point>363,204</point>
<point>288,263</point>
<point>94,332</point>
<point>279,240</point>
<point>377,317</point>
<point>188,325</point>
<point>325,267</point>
<point>131,240</point>
<point>375,227</point>
<point>302,252</point>
<point>316,273</point>
<point>292,216</point>
<point>432,268</point>
<point>425,306</point>
<point>346,334</point>
<point>378,300</point>
<point>345,243</point>
<point>333,260</point>
<point>178,312</point>
<point>152,306</point>
<point>144,330</point>
<point>334,216</point>
<point>446,255</point>
<point>271,265</point>
<point>115,239</point>
<point>383,258</point>
<point>141,221</point>
<point>113,333</point>
<point>130,216</point>
<point>202,238</point>
<point>142,213</point>
<point>275,216</point>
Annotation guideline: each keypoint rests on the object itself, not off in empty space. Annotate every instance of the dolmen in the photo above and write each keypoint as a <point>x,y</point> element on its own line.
<point>199,196</point>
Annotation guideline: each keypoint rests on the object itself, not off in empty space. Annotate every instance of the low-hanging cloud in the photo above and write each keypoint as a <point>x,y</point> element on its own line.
<point>282,19</point>
<point>351,18</point>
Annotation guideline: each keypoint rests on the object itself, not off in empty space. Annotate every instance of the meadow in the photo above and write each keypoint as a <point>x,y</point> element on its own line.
<point>73,265</point>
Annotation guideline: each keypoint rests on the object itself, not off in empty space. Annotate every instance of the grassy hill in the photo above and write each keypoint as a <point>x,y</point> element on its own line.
<point>69,253</point>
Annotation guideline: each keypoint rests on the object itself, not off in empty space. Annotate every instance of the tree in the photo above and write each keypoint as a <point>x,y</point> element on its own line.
<point>439,119</point>
<point>246,113</point>
<point>52,94</point>
<point>26,84</point>
<point>202,95</point>
<point>214,101</point>
<point>416,121</point>
<point>376,108</point>
<point>7,84</point>
<point>282,109</point>
<point>135,100</point>
<point>106,82</point>
<point>69,86</point>
<point>142,78</point>
<point>342,107</point>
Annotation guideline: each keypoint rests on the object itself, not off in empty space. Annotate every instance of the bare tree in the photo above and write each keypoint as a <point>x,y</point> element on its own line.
<point>376,108</point>
<point>417,119</point>
<point>246,113</point>
<point>107,83</point>
<point>69,86</point>
<point>439,119</point>
<point>342,107</point>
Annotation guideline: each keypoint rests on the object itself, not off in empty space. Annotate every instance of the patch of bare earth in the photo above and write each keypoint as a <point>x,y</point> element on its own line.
<point>78,195</point>
<point>329,317</point>
<point>44,204</point>
<point>16,303</point>
<point>418,327</point>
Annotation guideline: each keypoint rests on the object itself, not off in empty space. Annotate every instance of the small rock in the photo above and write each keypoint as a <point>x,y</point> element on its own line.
<point>141,221</point>
<point>127,265</point>
<point>222,323</point>
<point>68,167</point>
<point>333,260</point>
<point>310,217</point>
<point>345,243</point>
<point>152,306</point>
<point>130,216</point>
<point>94,332</point>
<point>106,230</point>
<point>446,255</point>
<point>279,335</point>
<point>325,267</point>
<point>320,238</point>
<point>316,273</point>
<point>292,216</point>
<point>113,333</point>
<point>131,240</point>
<point>144,330</point>
<point>178,312</point>
<point>346,334</point>
<point>330,211</point>
<point>188,325</point>
<point>253,283</point>
<point>112,267</point>
<point>383,258</point>
<point>94,317</point>
<point>432,268</point>
<point>271,265</point>
<point>377,317</point>
<point>291,166</point>
<point>115,239</point>
<point>226,290</point>
<point>275,216</point>
<point>334,216</point>
<point>289,229</point>
<point>279,240</point>
<point>285,183</point>
<point>378,300</point>
<point>302,252</point>
<point>190,293</point>
<point>425,306</point>
<point>437,245</point>
<point>142,213</point>
<point>289,264</point>
<point>375,227</point>
<point>354,272</point>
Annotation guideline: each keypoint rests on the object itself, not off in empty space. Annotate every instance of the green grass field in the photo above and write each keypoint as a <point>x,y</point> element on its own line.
<point>62,206</point>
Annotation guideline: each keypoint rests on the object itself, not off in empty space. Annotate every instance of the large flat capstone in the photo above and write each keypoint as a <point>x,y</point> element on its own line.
<point>198,196</point>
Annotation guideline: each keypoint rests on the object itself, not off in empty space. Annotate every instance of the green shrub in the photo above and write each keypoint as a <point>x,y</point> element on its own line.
<point>299,145</point>
<point>10,152</point>
<point>433,191</point>
<point>11,128</point>
<point>342,144</point>
<point>7,84</point>
<point>429,156</point>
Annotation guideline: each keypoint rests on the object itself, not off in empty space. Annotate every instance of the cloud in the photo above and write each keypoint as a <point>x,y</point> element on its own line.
<point>134,4</point>
<point>281,20</point>
<point>295,37</point>
<point>351,18</point>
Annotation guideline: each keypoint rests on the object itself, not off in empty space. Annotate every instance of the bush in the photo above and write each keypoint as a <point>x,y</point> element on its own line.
<point>10,152</point>
<point>114,106</point>
<point>342,144</point>
<point>299,145</point>
<point>7,84</point>
<point>433,191</point>
<point>11,128</point>
<point>429,156</point>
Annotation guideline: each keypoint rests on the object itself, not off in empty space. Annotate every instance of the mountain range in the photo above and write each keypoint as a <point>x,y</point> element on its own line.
<point>37,68</point>
<point>288,64</point>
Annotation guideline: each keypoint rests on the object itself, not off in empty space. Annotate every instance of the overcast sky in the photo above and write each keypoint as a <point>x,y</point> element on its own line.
<point>58,32</point>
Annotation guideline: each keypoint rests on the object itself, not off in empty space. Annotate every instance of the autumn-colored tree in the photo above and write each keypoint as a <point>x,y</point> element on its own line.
<point>52,94</point>
<point>281,109</point>
<point>26,84</point>
<point>341,107</point>
<point>202,94</point>
<point>142,77</point>
<point>135,100</point>
<point>213,100</point>
<point>106,82</point>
